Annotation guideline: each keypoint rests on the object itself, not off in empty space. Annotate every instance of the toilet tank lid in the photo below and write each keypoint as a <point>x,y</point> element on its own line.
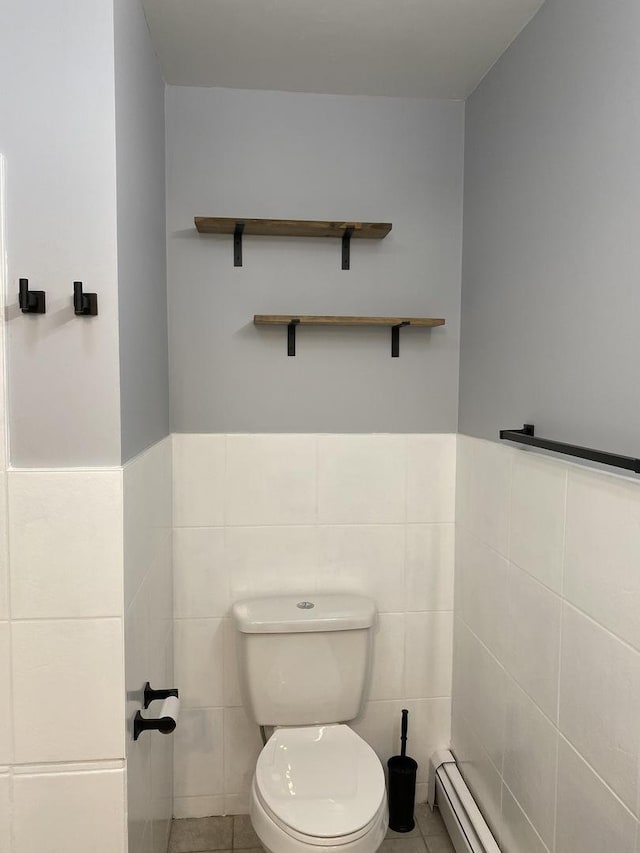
<point>292,614</point>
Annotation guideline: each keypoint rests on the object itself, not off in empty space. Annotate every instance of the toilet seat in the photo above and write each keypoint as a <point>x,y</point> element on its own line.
<point>321,785</point>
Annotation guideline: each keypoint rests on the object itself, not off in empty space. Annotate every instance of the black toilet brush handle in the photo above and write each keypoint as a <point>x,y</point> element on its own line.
<point>403,733</point>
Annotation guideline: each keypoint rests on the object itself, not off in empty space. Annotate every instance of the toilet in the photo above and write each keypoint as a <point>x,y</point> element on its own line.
<point>304,670</point>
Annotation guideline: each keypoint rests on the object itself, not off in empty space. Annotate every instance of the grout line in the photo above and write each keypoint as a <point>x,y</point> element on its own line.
<point>527,818</point>
<point>597,775</point>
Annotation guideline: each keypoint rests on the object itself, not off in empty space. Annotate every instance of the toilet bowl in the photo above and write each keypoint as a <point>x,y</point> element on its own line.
<point>318,788</point>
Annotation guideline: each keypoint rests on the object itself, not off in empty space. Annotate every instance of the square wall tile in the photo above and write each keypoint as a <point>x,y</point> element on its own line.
<point>603,530</point>
<point>198,744</point>
<point>138,772</point>
<point>479,684</point>
<point>537,516</point>
<point>70,812</point>
<point>271,479</point>
<point>242,746</point>
<point>599,702</point>
<point>518,834</point>
<point>429,730</point>
<point>481,590</point>
<point>483,490</point>
<point>379,725</point>
<point>530,754</point>
<point>532,648</point>
<point>429,566</point>
<point>387,676</point>
<point>428,654</point>
<point>194,807</point>
<point>77,665</point>
<point>361,479</point>
<point>366,559</point>
<point>480,774</point>
<point>200,580</point>
<point>590,818</point>
<point>271,560</point>
<point>431,478</point>
<point>199,662</point>
<point>5,813</point>
<point>6,748</point>
<point>66,544</point>
<point>198,480</point>
<point>4,549</point>
<point>232,697</point>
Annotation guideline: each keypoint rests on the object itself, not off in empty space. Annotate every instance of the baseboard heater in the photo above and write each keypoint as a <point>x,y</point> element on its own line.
<point>467,828</point>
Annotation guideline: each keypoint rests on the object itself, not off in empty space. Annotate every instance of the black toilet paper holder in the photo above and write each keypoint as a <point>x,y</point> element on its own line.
<point>164,725</point>
<point>150,695</point>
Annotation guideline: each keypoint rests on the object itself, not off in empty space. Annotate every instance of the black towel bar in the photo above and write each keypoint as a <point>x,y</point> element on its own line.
<point>526,435</point>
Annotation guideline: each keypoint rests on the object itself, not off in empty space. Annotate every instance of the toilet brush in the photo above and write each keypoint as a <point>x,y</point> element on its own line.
<point>402,785</point>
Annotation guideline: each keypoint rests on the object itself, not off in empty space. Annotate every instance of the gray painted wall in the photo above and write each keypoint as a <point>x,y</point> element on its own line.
<point>142,277</point>
<point>264,154</point>
<point>57,132</point>
<point>551,296</point>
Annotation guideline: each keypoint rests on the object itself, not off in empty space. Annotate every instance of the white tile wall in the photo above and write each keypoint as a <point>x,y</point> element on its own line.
<point>148,585</point>
<point>546,673</point>
<point>529,764</point>
<point>590,818</point>
<point>278,513</point>
<point>77,665</point>
<point>5,815</point>
<point>70,811</point>
<point>6,737</point>
<point>66,543</point>
<point>603,530</point>
<point>600,701</point>
<point>4,550</point>
<point>61,661</point>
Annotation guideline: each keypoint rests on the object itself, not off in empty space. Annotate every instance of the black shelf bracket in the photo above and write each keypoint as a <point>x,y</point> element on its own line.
<point>84,304</point>
<point>31,301</point>
<point>237,244</point>
<point>527,436</point>
<point>150,695</point>
<point>346,248</point>
<point>291,337</point>
<point>395,338</point>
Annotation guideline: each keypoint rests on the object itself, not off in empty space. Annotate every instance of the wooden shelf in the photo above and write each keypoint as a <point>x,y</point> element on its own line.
<point>291,228</point>
<point>328,320</point>
<point>293,320</point>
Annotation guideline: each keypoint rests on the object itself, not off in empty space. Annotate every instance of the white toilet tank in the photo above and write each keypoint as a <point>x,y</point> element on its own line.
<point>304,662</point>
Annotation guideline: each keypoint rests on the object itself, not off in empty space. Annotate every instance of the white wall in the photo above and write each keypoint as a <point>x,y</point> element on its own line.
<point>58,135</point>
<point>148,595</point>
<point>552,187</point>
<point>546,686</point>
<point>275,154</point>
<point>142,273</point>
<point>265,514</point>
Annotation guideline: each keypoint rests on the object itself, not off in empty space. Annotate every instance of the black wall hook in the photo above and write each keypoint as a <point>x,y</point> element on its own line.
<point>84,304</point>
<point>31,301</point>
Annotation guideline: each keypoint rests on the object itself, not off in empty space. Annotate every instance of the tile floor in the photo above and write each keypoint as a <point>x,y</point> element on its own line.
<point>226,834</point>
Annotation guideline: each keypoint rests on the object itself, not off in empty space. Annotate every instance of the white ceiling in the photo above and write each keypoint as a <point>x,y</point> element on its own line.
<point>417,48</point>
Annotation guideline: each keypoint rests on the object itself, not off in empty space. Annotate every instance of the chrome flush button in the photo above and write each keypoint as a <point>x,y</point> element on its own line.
<point>305,605</point>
